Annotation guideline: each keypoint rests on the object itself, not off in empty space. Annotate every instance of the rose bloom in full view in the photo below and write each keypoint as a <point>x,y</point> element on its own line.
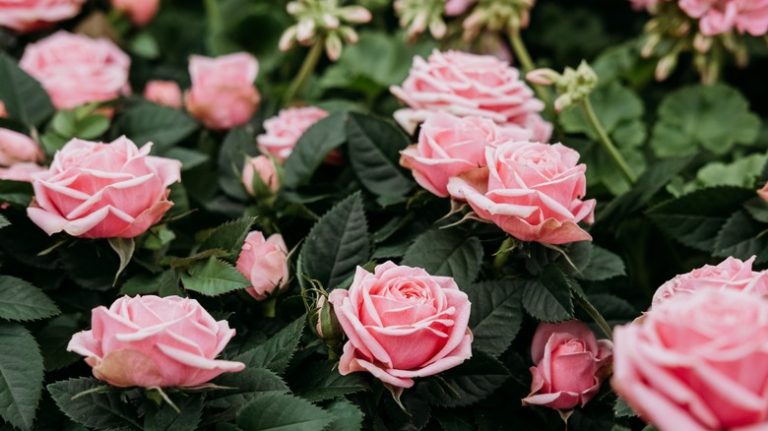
<point>402,323</point>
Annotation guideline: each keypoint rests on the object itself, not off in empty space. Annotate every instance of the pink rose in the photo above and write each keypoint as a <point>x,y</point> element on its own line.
<point>3,112</point>
<point>731,273</point>
<point>402,323</point>
<point>697,362</point>
<point>265,169</point>
<point>283,131</point>
<point>149,341</point>
<point>570,365</point>
<point>141,12</point>
<point>644,4</point>
<point>763,192</point>
<point>449,146</point>
<point>98,190</point>
<point>75,69</point>
<point>164,93</point>
<point>222,95</point>
<point>16,147</point>
<point>530,190</point>
<point>722,16</point>
<point>264,262</point>
<point>29,15</point>
<point>467,84</point>
<point>21,171</point>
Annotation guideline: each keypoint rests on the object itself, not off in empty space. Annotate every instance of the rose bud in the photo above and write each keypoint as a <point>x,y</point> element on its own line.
<point>76,69</point>
<point>264,262</point>
<point>570,365</point>
<point>260,177</point>
<point>21,172</point>
<point>16,148</point>
<point>532,191</point>
<point>30,15</point>
<point>326,324</point>
<point>164,93</point>
<point>402,323</point>
<point>697,362</point>
<point>284,130</point>
<point>140,12</point>
<point>98,190</point>
<point>149,341</point>
<point>222,95</point>
<point>449,146</point>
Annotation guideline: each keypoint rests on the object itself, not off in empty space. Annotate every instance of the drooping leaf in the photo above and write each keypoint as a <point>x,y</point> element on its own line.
<point>277,351</point>
<point>213,277</point>
<point>124,248</point>
<point>496,314</point>
<point>21,376</point>
<point>20,300</point>
<point>278,411</point>
<point>94,404</point>
<point>447,252</point>
<point>312,148</point>
<point>24,97</point>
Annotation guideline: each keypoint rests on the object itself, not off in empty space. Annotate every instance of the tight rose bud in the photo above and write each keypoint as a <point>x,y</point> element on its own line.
<point>141,12</point>
<point>570,365</point>
<point>532,191</point>
<point>30,15</point>
<point>148,341</point>
<point>76,69</point>
<point>21,172</point>
<point>16,147</point>
<point>264,262</point>
<point>283,131</point>
<point>260,176</point>
<point>165,93</point>
<point>222,95</point>
<point>697,362</point>
<point>326,324</point>
<point>402,323</point>
<point>98,190</point>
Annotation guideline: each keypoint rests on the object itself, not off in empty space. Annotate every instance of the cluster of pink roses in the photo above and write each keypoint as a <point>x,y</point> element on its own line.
<point>25,16</point>
<point>721,16</point>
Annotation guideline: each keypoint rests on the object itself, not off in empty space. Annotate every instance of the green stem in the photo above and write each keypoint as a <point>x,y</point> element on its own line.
<point>215,19</point>
<point>269,306</point>
<point>521,52</point>
<point>310,62</point>
<point>502,255</point>
<point>596,316</point>
<point>606,142</point>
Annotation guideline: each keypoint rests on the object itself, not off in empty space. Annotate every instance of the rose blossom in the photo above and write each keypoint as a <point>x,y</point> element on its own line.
<point>29,15</point>
<point>75,69</point>
<point>98,190</point>
<point>141,12</point>
<point>16,147</point>
<point>722,16</point>
<point>21,171</point>
<point>570,365</point>
<point>149,341</point>
<point>467,84</point>
<point>284,130</point>
<point>164,93</point>
<point>697,362</point>
<point>222,95</point>
<point>266,171</point>
<point>402,323</point>
<point>532,191</point>
<point>449,146</point>
<point>264,262</point>
<point>731,273</point>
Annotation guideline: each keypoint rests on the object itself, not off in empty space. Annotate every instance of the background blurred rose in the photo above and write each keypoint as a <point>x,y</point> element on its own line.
<point>264,262</point>
<point>16,147</point>
<point>141,12</point>
<point>165,93</point>
<point>267,174</point>
<point>283,131</point>
<point>21,171</point>
<point>29,15</point>
<point>722,16</point>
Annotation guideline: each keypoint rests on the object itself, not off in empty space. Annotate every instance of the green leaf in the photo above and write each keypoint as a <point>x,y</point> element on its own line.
<point>4,221</point>
<point>189,159</point>
<point>24,97</point>
<point>284,412</point>
<point>21,376</point>
<point>20,300</point>
<point>602,265</point>
<point>214,277</point>
<point>548,298</point>
<point>622,410</point>
<point>228,236</point>
<point>92,403</point>
<point>320,381</point>
<point>474,380</point>
<point>236,148</point>
<point>312,148</point>
<point>374,151</point>
<point>124,248</point>
<point>55,336</point>
<point>15,192</point>
<point>163,126</point>
<point>165,418</point>
<point>496,315</point>
<point>696,218</point>
<point>742,237</point>
<point>248,383</point>
<point>613,105</point>
<point>337,243</point>
<point>92,126</point>
<point>447,252</point>
<point>163,284</point>
<point>715,117</point>
<point>277,351</point>
<point>346,416</point>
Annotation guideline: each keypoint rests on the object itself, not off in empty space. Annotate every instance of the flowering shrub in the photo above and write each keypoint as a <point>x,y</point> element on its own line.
<point>344,215</point>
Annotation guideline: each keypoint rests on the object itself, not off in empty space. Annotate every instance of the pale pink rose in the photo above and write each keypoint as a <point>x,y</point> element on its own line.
<point>76,69</point>
<point>530,190</point>
<point>165,93</point>
<point>264,262</point>
<point>763,192</point>
<point>149,341</point>
<point>570,365</point>
<point>265,169</point>
<point>467,84</point>
<point>722,16</point>
<point>697,362</point>
<point>402,323</point>
<point>450,145</point>
<point>3,112</point>
<point>141,12</point>
<point>283,131</point>
<point>21,171</point>
<point>457,7</point>
<point>222,95</point>
<point>98,190</point>
<point>16,147</point>
<point>29,15</point>
<point>731,273</point>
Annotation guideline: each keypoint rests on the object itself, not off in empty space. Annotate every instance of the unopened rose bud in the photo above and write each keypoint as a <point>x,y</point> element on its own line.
<point>650,45</point>
<point>437,28</point>
<point>260,177</point>
<point>330,21</point>
<point>327,325</point>
<point>349,34</point>
<point>563,101</point>
<point>294,8</point>
<point>702,43</point>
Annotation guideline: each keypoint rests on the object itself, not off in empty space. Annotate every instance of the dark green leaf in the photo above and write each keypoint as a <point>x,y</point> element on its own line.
<point>742,237</point>
<point>124,248</point>
<point>145,284</point>
<point>548,298</point>
<point>20,300</point>
<point>496,314</point>
<point>602,265</point>
<point>470,382</point>
<point>447,252</point>
<point>163,126</point>
<point>4,222</point>
<point>165,418</point>
<point>320,381</point>
<point>24,97</point>
<point>277,411</point>
<point>238,145</point>
<point>21,376</point>
<point>277,351</point>
<point>622,410</point>
<point>189,158</point>
<point>55,336</point>
<point>15,192</point>
<point>312,148</point>
<point>346,416</point>
<point>229,236</point>
<point>214,277</point>
<point>99,409</point>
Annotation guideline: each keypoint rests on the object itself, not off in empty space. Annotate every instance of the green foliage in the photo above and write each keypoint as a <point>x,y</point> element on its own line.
<point>270,411</point>
<point>276,352</point>
<point>548,298</point>
<point>21,380</point>
<point>213,277</point>
<point>447,252</point>
<point>93,404</point>
<point>496,316</point>
<point>21,301</point>
<point>313,147</point>
<point>164,127</point>
<point>23,96</point>
<point>470,382</point>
